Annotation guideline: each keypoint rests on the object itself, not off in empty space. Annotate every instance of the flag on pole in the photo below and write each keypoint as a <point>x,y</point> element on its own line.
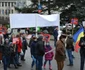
<point>74,21</point>
<point>77,37</point>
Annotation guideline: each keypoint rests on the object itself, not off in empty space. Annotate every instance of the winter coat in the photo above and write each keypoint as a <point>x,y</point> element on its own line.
<point>55,34</point>
<point>60,51</point>
<point>33,47</point>
<point>69,43</point>
<point>40,47</point>
<point>6,50</point>
<point>19,45</point>
<point>82,47</point>
<point>24,44</point>
<point>31,40</point>
<point>48,56</point>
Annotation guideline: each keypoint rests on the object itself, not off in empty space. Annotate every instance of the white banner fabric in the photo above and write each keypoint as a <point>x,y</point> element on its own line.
<point>34,20</point>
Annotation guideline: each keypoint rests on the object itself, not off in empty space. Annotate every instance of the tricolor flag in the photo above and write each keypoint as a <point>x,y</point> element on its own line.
<point>77,37</point>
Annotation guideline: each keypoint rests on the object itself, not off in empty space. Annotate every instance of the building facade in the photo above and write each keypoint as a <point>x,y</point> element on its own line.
<point>8,7</point>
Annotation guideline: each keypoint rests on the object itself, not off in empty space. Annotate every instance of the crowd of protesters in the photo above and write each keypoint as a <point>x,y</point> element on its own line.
<point>13,49</point>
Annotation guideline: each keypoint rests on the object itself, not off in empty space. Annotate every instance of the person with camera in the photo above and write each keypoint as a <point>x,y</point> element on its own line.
<point>82,51</point>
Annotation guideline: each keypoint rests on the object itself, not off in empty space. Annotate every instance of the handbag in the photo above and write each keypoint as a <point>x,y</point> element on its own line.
<point>21,53</point>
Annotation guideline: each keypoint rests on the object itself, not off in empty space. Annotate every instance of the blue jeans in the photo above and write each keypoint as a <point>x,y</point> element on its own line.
<point>5,60</point>
<point>69,51</point>
<point>16,59</point>
<point>33,61</point>
<point>39,62</point>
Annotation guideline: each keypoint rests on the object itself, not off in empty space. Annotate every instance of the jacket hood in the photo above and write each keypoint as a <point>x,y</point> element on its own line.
<point>40,38</point>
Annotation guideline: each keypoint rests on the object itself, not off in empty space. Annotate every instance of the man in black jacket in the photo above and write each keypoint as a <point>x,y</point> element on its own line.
<point>82,51</point>
<point>24,47</point>
<point>40,52</point>
<point>55,34</point>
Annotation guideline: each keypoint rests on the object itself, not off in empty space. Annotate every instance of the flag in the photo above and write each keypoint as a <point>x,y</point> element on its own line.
<point>77,37</point>
<point>74,21</point>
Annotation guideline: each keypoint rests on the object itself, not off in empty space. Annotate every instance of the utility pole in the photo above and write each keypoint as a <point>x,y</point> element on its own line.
<point>49,7</point>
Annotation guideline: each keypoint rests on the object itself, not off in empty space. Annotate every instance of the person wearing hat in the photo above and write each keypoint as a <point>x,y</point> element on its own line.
<point>82,51</point>
<point>60,52</point>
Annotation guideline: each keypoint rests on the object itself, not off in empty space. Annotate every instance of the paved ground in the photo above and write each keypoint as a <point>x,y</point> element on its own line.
<point>27,64</point>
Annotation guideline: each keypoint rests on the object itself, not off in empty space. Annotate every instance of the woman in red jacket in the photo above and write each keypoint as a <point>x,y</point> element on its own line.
<point>19,45</point>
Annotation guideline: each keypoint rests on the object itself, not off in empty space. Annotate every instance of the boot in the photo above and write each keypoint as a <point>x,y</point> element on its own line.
<point>16,67</point>
<point>50,67</point>
<point>44,66</point>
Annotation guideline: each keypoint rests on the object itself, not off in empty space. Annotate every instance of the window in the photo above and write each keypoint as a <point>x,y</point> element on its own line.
<point>12,4</point>
<point>3,11</point>
<point>5,4</point>
<point>2,4</point>
<point>12,11</point>
<point>9,4</point>
<point>6,12</point>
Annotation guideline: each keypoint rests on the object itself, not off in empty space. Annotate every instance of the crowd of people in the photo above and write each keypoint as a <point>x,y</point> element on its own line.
<point>13,50</point>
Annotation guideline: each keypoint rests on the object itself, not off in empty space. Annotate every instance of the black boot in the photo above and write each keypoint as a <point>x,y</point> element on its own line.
<point>16,67</point>
<point>19,65</point>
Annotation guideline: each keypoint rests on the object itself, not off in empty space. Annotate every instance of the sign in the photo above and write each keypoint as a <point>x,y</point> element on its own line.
<point>74,21</point>
<point>29,37</point>
<point>34,20</point>
<point>15,40</point>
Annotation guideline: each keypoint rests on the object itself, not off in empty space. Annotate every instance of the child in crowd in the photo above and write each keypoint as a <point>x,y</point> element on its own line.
<point>48,55</point>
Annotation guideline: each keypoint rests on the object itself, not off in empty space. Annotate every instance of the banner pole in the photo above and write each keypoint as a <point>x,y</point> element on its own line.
<point>36,24</point>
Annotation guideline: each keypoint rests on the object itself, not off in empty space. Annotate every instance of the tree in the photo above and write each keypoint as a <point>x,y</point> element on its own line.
<point>68,8</point>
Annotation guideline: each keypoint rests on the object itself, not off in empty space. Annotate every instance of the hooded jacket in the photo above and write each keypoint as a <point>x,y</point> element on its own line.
<point>40,47</point>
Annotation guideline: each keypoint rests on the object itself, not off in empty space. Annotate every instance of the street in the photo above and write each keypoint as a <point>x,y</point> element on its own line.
<point>26,65</point>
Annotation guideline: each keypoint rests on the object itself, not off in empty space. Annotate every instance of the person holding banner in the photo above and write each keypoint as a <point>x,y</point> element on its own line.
<point>6,34</point>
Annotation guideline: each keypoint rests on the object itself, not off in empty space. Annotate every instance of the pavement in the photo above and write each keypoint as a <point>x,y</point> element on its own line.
<point>26,65</point>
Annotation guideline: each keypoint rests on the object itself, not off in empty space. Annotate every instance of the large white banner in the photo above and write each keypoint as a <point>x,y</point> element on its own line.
<point>34,20</point>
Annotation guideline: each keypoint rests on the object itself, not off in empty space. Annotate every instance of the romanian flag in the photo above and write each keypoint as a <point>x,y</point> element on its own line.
<point>77,37</point>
